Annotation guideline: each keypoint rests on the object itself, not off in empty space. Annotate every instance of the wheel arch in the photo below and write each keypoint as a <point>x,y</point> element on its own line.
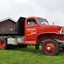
<point>47,36</point>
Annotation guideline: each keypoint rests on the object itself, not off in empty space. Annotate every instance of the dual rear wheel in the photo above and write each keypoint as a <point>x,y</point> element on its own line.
<point>3,44</point>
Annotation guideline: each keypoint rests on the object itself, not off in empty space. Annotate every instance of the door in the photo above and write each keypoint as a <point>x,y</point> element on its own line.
<point>31,29</point>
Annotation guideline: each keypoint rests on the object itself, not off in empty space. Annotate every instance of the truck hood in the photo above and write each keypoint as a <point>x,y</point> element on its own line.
<point>52,28</point>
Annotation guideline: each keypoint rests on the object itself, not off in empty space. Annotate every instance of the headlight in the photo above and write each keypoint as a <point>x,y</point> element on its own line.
<point>61,31</point>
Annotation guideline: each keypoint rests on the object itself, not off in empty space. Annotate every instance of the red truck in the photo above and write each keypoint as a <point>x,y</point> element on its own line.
<point>35,31</point>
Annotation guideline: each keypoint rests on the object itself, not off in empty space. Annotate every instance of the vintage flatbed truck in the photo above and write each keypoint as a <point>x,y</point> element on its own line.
<point>33,31</point>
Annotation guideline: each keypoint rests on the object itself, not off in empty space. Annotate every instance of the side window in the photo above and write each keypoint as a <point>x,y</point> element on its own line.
<point>31,21</point>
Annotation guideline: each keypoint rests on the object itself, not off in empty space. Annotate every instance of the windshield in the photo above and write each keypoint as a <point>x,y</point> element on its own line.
<point>42,21</point>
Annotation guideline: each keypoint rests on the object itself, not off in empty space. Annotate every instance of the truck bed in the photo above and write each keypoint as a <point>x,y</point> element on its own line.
<point>8,27</point>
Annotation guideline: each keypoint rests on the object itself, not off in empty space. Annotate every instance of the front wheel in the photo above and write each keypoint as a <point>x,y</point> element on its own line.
<point>50,47</point>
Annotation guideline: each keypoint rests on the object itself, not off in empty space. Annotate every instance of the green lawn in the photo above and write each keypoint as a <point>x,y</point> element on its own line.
<point>28,56</point>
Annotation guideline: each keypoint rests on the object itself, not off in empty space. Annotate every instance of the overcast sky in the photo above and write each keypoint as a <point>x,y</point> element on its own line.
<point>52,10</point>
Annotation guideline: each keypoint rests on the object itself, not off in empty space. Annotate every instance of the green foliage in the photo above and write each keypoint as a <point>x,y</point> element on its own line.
<point>28,56</point>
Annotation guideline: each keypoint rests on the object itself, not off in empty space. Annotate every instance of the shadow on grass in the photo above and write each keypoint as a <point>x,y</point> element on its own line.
<point>30,49</point>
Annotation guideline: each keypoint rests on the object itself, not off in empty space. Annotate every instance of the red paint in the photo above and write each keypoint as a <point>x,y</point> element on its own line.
<point>30,42</point>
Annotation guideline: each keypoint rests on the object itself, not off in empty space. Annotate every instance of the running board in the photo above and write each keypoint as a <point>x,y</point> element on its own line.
<point>30,42</point>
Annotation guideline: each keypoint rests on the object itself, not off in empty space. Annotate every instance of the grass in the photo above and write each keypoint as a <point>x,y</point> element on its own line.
<point>29,56</point>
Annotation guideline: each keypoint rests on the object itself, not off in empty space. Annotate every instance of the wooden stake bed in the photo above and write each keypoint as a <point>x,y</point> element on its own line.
<point>8,27</point>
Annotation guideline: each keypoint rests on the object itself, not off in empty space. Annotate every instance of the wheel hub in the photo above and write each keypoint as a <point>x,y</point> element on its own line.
<point>48,48</point>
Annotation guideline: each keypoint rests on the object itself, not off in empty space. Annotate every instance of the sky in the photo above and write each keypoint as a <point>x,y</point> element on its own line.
<point>52,10</point>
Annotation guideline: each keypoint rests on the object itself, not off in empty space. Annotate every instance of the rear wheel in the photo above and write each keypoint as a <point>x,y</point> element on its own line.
<point>3,44</point>
<point>50,47</point>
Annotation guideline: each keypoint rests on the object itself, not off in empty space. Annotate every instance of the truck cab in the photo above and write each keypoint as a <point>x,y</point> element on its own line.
<point>33,28</point>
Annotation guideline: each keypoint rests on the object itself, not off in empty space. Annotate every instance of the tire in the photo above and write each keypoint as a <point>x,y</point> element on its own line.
<point>50,47</point>
<point>3,43</point>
